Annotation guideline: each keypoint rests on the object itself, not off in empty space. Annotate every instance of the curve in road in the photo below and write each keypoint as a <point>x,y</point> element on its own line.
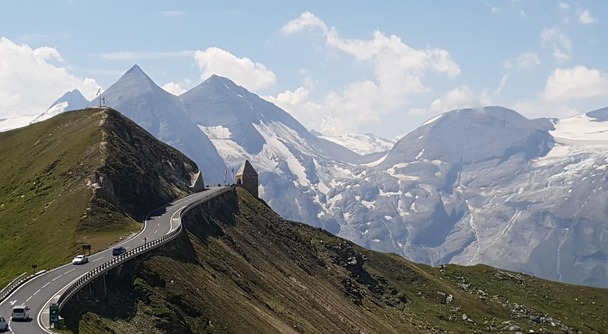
<point>39,292</point>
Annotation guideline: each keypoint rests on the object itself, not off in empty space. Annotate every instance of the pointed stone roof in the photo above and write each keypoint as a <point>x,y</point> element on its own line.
<point>247,178</point>
<point>246,168</point>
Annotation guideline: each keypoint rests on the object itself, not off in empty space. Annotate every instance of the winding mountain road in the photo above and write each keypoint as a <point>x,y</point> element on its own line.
<point>44,289</point>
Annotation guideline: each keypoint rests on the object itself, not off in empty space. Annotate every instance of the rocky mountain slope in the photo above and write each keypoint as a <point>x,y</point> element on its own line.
<point>162,114</point>
<point>241,268</point>
<point>465,187</point>
<point>86,176</point>
<point>470,186</point>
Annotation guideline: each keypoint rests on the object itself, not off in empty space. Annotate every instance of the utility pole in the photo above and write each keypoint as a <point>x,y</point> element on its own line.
<point>99,93</point>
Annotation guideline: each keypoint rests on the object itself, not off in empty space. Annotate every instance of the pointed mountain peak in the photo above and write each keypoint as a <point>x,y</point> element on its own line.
<point>74,98</point>
<point>134,80</point>
<point>135,68</point>
<point>136,72</point>
<point>217,81</point>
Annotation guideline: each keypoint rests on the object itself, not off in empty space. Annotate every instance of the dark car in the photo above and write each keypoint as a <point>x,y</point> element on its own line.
<point>118,250</point>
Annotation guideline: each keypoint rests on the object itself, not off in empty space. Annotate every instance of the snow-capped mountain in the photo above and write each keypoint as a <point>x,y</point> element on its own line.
<point>162,114</point>
<point>362,144</point>
<point>489,186</point>
<point>469,186</point>
<point>11,123</point>
<point>72,100</point>
<point>290,160</point>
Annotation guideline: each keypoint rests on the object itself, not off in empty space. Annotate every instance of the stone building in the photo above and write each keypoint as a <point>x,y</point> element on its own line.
<point>247,178</point>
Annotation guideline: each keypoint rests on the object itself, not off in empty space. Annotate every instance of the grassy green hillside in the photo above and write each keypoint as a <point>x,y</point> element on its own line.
<point>243,269</point>
<point>66,181</point>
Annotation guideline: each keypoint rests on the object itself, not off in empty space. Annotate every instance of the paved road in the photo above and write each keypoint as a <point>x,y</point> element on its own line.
<point>39,292</point>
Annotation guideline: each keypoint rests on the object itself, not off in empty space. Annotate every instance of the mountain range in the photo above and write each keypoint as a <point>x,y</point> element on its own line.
<point>470,186</point>
<point>91,176</point>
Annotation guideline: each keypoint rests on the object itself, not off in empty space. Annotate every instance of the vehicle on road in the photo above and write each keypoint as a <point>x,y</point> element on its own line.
<point>20,312</point>
<point>3,324</point>
<point>80,259</point>
<point>118,250</point>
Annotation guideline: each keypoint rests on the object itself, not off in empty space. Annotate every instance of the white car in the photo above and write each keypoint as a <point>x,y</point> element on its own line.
<point>3,324</point>
<point>20,312</point>
<point>80,259</point>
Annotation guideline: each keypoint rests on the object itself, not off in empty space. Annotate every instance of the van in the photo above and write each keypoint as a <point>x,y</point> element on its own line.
<point>21,312</point>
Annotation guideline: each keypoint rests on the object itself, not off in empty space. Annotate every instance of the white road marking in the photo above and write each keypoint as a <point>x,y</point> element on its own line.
<point>101,258</point>
<point>69,271</point>
<point>12,302</point>
<point>27,300</point>
<point>56,278</point>
<point>44,286</point>
<point>35,293</point>
<point>155,231</point>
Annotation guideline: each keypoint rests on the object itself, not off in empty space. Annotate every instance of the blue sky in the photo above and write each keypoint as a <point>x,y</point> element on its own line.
<point>337,66</point>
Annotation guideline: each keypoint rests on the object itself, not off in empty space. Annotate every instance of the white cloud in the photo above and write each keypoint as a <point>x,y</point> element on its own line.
<point>243,71</point>
<point>528,59</point>
<point>556,36</point>
<point>560,55</point>
<point>578,82</point>
<point>460,97</point>
<point>585,17</point>
<point>501,85</point>
<point>31,79</point>
<point>564,90</point>
<point>541,108</point>
<point>174,88</point>
<point>399,72</point>
<point>564,6</point>
<point>306,21</point>
<point>559,41</point>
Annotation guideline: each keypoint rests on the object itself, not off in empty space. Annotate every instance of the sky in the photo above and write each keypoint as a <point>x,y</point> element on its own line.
<point>339,67</point>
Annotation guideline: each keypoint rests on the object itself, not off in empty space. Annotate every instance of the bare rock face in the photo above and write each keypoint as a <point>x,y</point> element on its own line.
<point>138,172</point>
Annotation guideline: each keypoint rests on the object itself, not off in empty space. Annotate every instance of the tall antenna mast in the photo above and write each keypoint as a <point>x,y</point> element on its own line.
<point>99,93</point>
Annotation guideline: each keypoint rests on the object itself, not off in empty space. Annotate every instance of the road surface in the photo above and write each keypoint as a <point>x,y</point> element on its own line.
<point>38,292</point>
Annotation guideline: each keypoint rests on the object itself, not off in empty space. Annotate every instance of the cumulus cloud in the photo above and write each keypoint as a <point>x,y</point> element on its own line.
<point>243,71</point>
<point>461,97</point>
<point>174,88</point>
<point>566,88</point>
<point>578,82</point>
<point>306,21</point>
<point>585,17</point>
<point>31,79</point>
<point>399,73</point>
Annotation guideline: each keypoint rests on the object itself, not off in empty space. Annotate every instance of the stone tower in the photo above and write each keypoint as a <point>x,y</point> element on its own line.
<point>197,182</point>
<point>247,178</point>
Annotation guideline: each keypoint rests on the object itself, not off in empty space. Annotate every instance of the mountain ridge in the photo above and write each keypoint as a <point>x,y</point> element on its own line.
<point>162,114</point>
<point>483,185</point>
<point>262,274</point>
<point>70,180</point>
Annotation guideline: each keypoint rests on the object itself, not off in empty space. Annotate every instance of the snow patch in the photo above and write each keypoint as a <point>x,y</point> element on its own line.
<point>432,120</point>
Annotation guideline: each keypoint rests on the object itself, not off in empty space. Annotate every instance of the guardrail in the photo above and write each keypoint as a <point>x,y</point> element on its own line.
<point>104,267</point>
<point>14,284</point>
